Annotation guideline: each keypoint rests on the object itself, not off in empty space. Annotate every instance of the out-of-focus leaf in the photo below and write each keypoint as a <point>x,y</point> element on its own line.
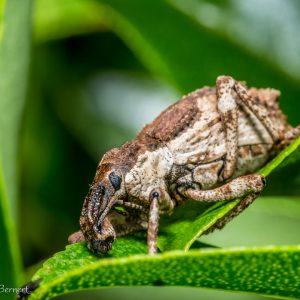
<point>172,45</point>
<point>250,25</point>
<point>158,293</point>
<point>268,221</point>
<point>186,60</point>
<point>269,28</point>
<point>116,103</point>
<point>188,55</point>
<point>269,271</point>
<point>55,19</point>
<point>14,61</point>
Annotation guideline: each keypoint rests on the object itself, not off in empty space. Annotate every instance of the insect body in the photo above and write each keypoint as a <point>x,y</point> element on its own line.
<point>205,147</point>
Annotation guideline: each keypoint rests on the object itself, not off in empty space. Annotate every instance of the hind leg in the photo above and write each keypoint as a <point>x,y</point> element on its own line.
<point>247,187</point>
<point>233,213</point>
<point>236,188</point>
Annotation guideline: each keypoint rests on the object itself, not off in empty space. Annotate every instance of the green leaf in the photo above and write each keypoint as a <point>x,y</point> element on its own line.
<point>289,155</point>
<point>186,54</point>
<point>72,269</point>
<point>14,62</point>
<point>272,271</point>
<point>268,221</point>
<point>175,47</point>
<point>78,254</point>
<point>59,19</point>
<point>189,222</point>
<point>232,19</point>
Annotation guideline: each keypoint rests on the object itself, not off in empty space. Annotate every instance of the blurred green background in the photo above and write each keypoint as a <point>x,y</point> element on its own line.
<point>100,70</point>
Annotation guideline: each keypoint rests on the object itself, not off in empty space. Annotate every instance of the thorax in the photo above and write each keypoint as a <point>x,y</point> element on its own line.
<point>149,172</point>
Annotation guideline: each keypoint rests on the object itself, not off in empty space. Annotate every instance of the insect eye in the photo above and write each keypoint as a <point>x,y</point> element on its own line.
<point>115,180</point>
<point>154,194</point>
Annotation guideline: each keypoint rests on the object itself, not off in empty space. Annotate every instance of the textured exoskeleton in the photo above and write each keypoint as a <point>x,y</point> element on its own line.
<point>205,147</point>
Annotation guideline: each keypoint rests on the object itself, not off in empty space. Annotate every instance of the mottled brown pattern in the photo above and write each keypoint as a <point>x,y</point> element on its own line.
<point>269,98</point>
<point>256,150</point>
<point>174,119</point>
<point>207,147</point>
<point>207,174</point>
<point>245,151</point>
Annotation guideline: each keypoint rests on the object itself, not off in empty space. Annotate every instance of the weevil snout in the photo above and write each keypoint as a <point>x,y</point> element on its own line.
<point>103,195</point>
<point>103,237</point>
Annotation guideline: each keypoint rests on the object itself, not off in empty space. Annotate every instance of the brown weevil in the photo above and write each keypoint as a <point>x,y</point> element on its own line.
<point>205,147</point>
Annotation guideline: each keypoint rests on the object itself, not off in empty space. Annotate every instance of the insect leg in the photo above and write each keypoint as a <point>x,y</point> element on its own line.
<point>153,226</point>
<point>126,229</point>
<point>233,213</point>
<point>76,237</point>
<point>124,224</point>
<point>259,111</point>
<point>119,223</point>
<point>227,108</point>
<point>236,188</point>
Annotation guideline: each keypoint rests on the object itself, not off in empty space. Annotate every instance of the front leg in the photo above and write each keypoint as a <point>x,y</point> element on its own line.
<point>76,237</point>
<point>160,203</point>
<point>244,203</point>
<point>237,188</point>
<point>153,224</point>
<point>121,224</point>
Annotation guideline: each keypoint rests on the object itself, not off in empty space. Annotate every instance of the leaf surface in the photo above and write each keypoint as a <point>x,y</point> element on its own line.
<point>265,270</point>
<point>14,62</point>
<point>77,269</point>
<point>186,54</point>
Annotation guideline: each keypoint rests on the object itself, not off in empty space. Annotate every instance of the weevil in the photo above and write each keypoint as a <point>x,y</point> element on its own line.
<point>205,147</point>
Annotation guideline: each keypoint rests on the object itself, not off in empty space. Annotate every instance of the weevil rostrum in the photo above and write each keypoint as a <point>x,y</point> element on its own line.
<point>205,147</point>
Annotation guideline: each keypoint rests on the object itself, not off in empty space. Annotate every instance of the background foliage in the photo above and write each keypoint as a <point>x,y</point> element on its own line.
<point>102,69</point>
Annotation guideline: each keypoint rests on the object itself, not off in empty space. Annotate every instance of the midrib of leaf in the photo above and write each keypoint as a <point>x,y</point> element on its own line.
<point>290,152</point>
<point>14,62</point>
<point>183,233</point>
